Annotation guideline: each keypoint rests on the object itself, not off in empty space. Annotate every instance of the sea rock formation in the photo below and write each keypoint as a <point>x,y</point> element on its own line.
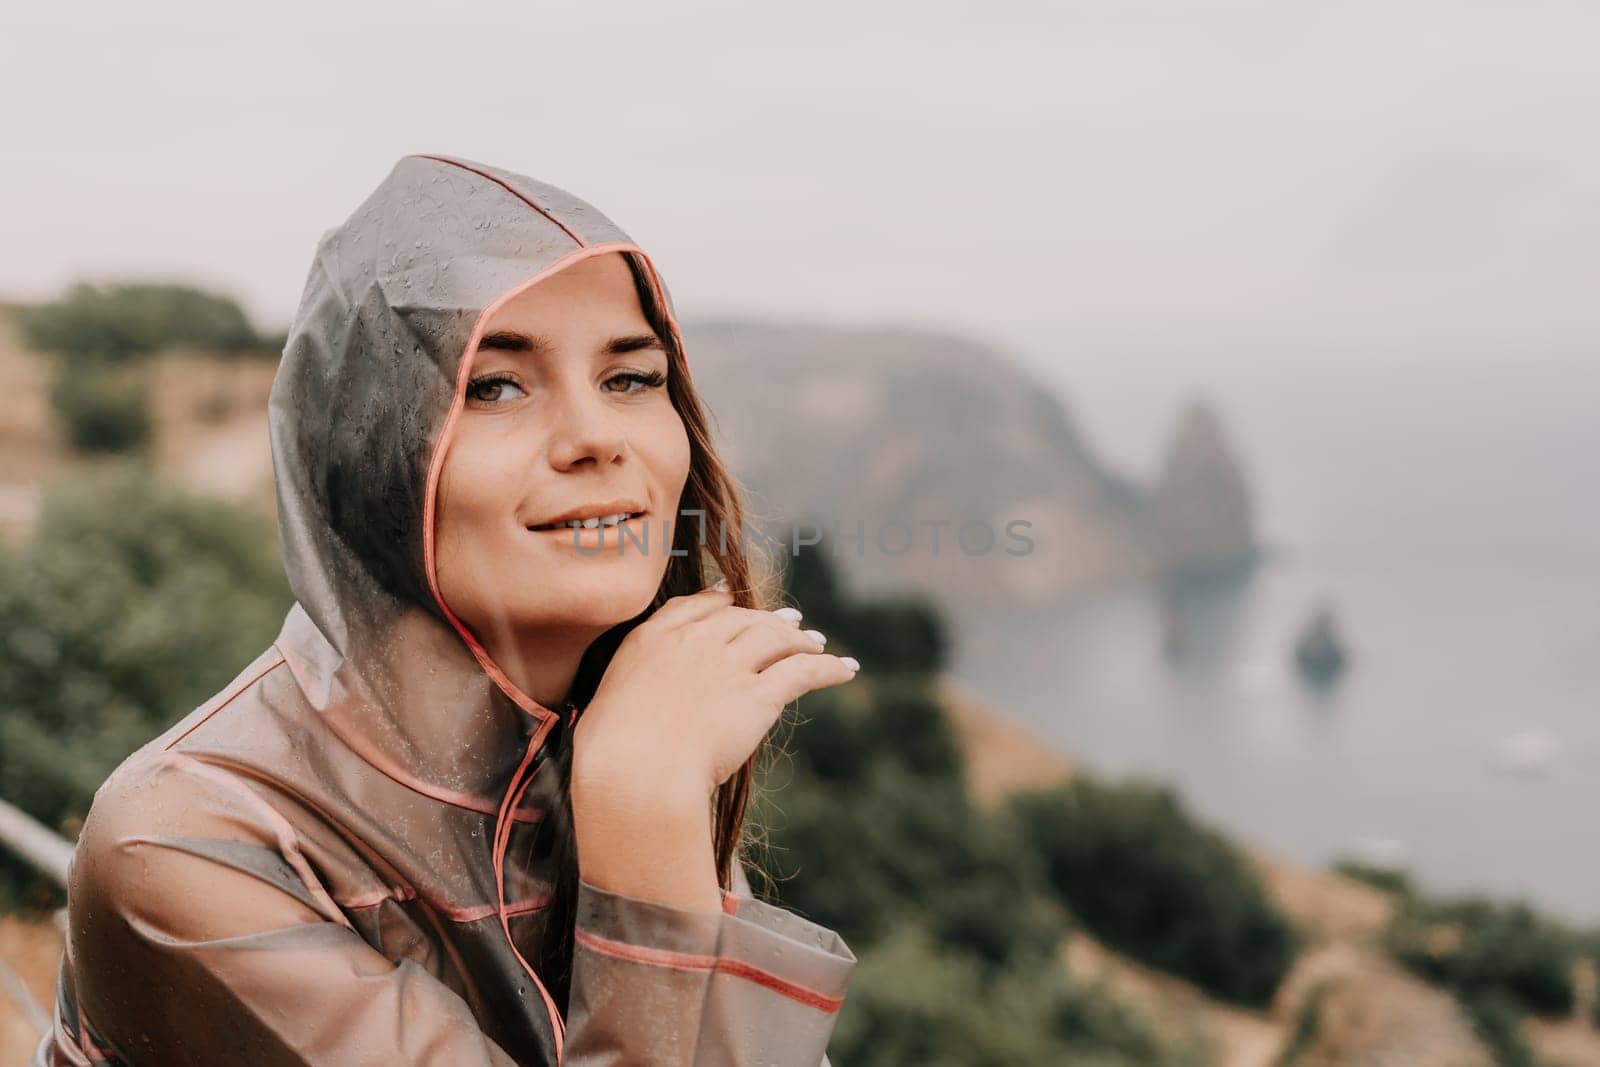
<point>1204,511</point>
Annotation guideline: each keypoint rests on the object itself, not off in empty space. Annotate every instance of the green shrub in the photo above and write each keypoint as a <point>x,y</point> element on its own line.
<point>912,1003</point>
<point>895,718</point>
<point>895,634</point>
<point>830,738</point>
<point>102,409</point>
<point>1497,1020</point>
<point>1474,946</point>
<point>1147,879</point>
<point>893,847</point>
<point>121,322</point>
<point>130,604</point>
<point>1389,879</point>
<point>811,580</point>
<point>870,824</point>
<point>903,633</point>
<point>909,725</point>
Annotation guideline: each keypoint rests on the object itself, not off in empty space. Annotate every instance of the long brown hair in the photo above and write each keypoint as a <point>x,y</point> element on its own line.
<point>709,544</point>
<point>710,489</point>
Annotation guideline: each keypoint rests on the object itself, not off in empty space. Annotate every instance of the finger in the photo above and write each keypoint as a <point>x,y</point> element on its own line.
<point>731,621</point>
<point>765,643</point>
<point>688,607</point>
<point>794,676</point>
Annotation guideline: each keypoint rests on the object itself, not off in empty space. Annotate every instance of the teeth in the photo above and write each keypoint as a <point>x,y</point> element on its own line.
<point>588,524</point>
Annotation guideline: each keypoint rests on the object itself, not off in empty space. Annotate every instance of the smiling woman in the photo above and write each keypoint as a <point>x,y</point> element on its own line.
<point>566,418</point>
<point>481,801</point>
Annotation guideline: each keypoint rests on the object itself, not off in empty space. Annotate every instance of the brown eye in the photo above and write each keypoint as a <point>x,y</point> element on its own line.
<point>632,378</point>
<point>493,390</point>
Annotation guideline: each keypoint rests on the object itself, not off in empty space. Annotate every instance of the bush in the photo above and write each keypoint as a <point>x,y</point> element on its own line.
<point>903,633</point>
<point>1390,880</point>
<point>895,718</point>
<point>811,580</point>
<point>911,1002</point>
<point>121,322</point>
<point>103,410</point>
<point>895,847</point>
<point>96,331</point>
<point>868,824</point>
<point>1475,947</point>
<point>1497,1020</point>
<point>898,634</point>
<point>130,604</point>
<point>1145,878</point>
<point>831,736</point>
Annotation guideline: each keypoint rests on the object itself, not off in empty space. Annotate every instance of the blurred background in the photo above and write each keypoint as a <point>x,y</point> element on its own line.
<point>1274,323</point>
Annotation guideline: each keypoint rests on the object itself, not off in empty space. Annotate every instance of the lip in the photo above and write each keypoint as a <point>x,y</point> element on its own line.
<point>621,506</point>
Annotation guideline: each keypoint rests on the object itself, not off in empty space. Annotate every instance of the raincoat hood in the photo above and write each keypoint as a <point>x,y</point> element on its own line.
<point>372,380</point>
<point>348,854</point>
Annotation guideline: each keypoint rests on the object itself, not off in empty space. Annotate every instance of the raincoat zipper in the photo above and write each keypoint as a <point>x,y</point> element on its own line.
<point>532,760</point>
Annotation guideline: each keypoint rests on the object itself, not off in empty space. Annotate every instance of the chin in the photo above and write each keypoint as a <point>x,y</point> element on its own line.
<point>603,600</point>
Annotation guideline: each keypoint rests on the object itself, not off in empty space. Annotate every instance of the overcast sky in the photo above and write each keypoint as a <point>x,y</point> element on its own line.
<point>1071,179</point>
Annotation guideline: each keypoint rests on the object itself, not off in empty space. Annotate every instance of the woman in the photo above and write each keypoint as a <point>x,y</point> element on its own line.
<point>480,801</point>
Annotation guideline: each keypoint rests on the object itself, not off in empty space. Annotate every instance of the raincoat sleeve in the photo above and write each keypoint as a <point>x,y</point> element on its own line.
<point>201,935</point>
<point>654,983</point>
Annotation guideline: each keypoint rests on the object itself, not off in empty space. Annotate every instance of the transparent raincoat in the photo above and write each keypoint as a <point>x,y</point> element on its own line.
<point>345,857</point>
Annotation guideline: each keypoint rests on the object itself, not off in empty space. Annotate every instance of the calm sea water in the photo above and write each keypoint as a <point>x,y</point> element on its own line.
<point>1450,515</point>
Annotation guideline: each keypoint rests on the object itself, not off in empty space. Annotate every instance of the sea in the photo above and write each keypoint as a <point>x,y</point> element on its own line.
<point>1444,506</point>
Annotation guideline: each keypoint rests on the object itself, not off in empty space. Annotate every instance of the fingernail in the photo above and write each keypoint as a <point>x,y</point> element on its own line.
<point>789,614</point>
<point>850,661</point>
<point>722,585</point>
<point>818,636</point>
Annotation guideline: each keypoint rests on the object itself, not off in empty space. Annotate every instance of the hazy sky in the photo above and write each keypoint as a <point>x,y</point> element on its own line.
<point>1089,182</point>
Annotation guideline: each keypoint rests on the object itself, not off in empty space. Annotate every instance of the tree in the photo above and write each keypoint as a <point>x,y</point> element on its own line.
<point>131,603</point>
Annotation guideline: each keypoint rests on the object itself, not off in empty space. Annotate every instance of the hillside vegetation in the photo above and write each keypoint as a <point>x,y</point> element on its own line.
<point>1007,907</point>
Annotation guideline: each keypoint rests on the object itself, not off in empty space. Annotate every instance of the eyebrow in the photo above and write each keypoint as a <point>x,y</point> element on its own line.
<point>513,341</point>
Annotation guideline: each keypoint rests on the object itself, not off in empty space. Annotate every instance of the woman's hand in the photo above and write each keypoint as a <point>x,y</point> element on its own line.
<point>688,696</point>
<point>691,691</point>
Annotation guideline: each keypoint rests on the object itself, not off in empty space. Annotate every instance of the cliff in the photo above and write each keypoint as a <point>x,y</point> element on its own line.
<point>885,438</point>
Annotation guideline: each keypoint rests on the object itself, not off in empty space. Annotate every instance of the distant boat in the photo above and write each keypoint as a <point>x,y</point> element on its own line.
<point>1383,853</point>
<point>1528,753</point>
<point>1319,653</point>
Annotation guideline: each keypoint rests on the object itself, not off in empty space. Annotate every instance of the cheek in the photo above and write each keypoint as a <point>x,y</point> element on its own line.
<point>472,505</point>
<point>670,454</point>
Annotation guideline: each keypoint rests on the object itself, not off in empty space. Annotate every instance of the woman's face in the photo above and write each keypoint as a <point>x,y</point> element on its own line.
<point>566,412</point>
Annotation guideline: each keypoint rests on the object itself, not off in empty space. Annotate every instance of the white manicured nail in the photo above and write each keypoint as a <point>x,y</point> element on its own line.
<point>818,636</point>
<point>850,661</point>
<point>788,614</point>
<point>722,585</point>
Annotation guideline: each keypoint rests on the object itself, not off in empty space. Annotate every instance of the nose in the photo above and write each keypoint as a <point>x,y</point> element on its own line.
<point>584,428</point>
